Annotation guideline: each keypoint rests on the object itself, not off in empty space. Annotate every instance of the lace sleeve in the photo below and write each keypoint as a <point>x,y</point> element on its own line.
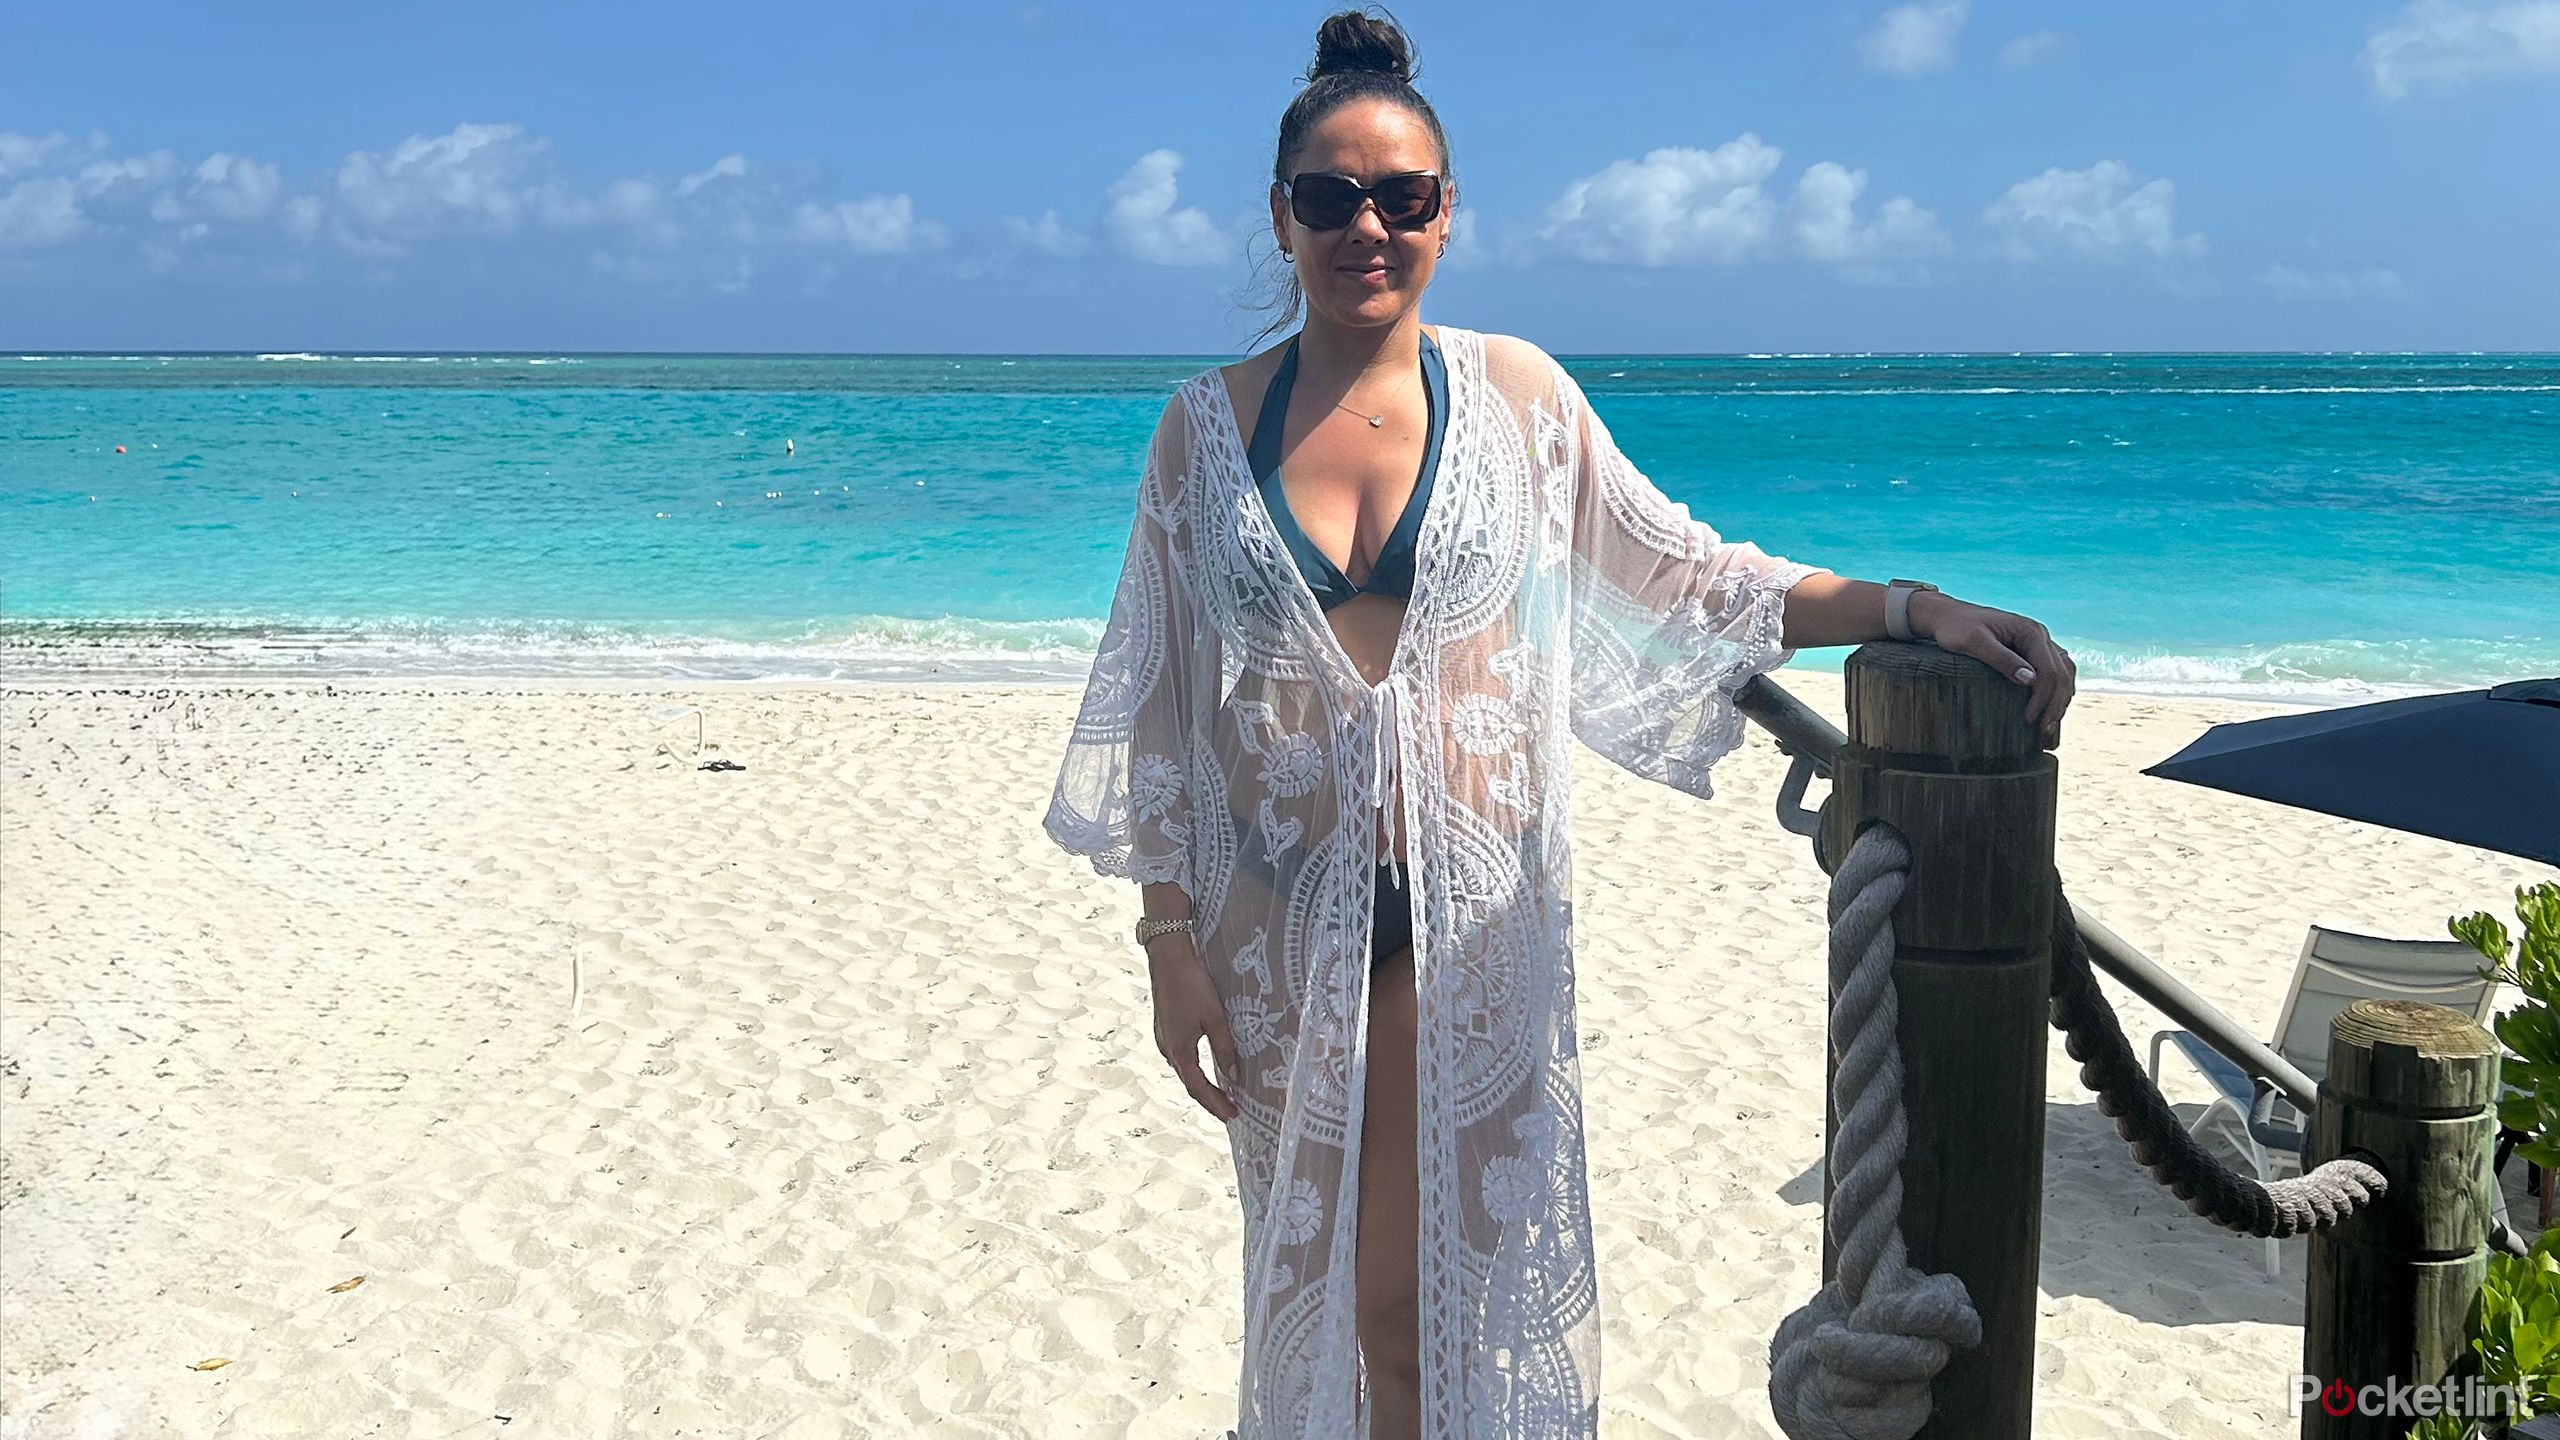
<point>1124,790</point>
<point>1669,619</point>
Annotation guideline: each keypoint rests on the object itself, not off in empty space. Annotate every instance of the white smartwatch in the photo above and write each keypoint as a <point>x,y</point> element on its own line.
<point>1897,607</point>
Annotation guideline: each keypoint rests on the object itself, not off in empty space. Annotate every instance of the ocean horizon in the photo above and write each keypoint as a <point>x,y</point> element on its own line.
<point>2306,527</point>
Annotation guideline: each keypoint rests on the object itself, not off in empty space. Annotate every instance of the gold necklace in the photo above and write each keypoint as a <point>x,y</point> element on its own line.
<point>1374,420</point>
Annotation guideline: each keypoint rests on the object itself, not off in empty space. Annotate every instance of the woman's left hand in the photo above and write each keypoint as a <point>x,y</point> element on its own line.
<point>2011,644</point>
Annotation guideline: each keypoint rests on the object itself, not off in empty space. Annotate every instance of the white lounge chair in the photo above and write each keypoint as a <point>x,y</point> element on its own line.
<point>665,719</point>
<point>2337,968</point>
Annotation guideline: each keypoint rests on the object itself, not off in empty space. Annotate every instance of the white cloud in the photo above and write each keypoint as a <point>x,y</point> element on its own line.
<point>236,188</point>
<point>2103,212</point>
<point>25,152</point>
<point>1145,224</point>
<point>302,217</point>
<point>483,179</point>
<point>1048,235</point>
<point>880,225</point>
<point>2033,49</point>
<point>1914,39</point>
<point>727,167</point>
<point>2446,43</point>
<point>730,204</point>
<point>2331,284</point>
<point>20,154</point>
<point>1675,205</point>
<point>1678,206</point>
<point>129,190</point>
<point>39,212</point>
<point>1827,228</point>
<point>51,192</point>
<point>473,182</point>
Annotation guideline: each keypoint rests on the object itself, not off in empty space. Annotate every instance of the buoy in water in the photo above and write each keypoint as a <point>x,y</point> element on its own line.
<point>119,449</point>
<point>786,447</point>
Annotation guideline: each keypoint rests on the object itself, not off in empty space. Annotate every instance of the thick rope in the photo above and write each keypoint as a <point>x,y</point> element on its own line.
<point>2161,1144</point>
<point>1857,1361</point>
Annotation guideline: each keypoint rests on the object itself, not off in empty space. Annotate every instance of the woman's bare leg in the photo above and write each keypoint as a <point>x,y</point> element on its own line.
<point>1388,1315</point>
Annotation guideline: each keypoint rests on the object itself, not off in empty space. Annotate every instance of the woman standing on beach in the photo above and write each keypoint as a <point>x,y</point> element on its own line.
<point>1345,798</point>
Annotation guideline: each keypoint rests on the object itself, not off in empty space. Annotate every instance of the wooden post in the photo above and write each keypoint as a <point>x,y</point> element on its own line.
<point>2414,1087</point>
<point>1939,748</point>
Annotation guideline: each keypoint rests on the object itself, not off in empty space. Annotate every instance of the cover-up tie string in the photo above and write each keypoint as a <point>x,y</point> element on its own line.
<point>1392,699</point>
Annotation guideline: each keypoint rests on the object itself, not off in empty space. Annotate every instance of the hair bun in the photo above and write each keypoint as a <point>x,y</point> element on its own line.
<point>1353,41</point>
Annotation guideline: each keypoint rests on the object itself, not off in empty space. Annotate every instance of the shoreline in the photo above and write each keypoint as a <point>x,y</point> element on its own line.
<point>101,680</point>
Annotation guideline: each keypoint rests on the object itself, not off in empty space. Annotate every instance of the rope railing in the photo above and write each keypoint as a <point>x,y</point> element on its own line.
<point>1933,1331</point>
<point>2095,1039</point>
<point>2277,1209</point>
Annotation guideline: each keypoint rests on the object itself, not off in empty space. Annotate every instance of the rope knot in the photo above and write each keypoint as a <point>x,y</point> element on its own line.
<point>1837,1374</point>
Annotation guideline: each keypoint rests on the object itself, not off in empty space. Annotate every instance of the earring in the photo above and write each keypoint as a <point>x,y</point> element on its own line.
<point>1288,255</point>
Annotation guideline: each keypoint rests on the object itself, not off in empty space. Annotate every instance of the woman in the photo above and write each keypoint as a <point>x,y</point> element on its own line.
<point>1327,730</point>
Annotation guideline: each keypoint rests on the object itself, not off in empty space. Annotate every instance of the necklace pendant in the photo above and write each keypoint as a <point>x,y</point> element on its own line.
<point>1377,420</point>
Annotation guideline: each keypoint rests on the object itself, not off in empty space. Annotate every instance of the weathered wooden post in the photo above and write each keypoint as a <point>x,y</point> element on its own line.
<point>1939,748</point>
<point>2414,1087</point>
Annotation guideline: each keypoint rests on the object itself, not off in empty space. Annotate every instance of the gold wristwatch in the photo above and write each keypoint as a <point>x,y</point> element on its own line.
<point>1150,929</point>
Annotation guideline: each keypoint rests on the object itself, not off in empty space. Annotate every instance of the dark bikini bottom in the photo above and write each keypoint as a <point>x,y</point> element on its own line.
<point>1391,917</point>
<point>1391,929</point>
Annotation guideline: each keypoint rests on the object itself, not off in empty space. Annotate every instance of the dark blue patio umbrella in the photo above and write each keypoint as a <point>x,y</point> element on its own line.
<point>2478,767</point>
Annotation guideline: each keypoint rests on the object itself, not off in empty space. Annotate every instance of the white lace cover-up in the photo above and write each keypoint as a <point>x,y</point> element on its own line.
<point>1226,743</point>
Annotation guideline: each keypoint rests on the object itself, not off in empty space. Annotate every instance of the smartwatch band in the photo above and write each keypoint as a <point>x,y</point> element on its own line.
<point>1897,607</point>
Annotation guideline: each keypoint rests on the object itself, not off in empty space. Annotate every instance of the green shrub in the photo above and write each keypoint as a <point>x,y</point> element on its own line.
<point>2515,1320</point>
<point>2531,1031</point>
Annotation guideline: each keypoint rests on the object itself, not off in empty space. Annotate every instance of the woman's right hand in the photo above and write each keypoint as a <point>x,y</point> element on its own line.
<point>1186,1009</point>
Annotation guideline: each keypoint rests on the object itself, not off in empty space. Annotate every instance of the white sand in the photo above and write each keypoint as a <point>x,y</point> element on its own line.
<point>858,1128</point>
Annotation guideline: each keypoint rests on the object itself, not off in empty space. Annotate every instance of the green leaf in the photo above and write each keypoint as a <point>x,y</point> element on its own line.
<point>2532,1031</point>
<point>2482,932</point>
<point>2538,906</point>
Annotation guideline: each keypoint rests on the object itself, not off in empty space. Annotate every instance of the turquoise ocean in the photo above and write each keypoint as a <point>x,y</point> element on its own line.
<point>2315,527</point>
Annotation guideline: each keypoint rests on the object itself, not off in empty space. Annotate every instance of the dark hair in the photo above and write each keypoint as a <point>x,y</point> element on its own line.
<point>1359,56</point>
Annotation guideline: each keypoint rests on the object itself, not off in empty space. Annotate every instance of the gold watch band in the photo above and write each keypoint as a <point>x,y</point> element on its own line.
<point>1151,928</point>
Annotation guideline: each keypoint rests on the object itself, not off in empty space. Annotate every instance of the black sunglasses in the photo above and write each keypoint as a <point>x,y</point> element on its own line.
<point>1323,200</point>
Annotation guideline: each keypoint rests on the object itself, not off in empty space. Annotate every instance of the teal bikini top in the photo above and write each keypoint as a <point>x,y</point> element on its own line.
<point>1392,572</point>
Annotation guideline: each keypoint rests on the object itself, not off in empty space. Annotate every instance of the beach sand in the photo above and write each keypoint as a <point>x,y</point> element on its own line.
<point>856,1127</point>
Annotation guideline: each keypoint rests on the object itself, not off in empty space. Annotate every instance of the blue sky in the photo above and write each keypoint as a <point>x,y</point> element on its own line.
<point>961,176</point>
